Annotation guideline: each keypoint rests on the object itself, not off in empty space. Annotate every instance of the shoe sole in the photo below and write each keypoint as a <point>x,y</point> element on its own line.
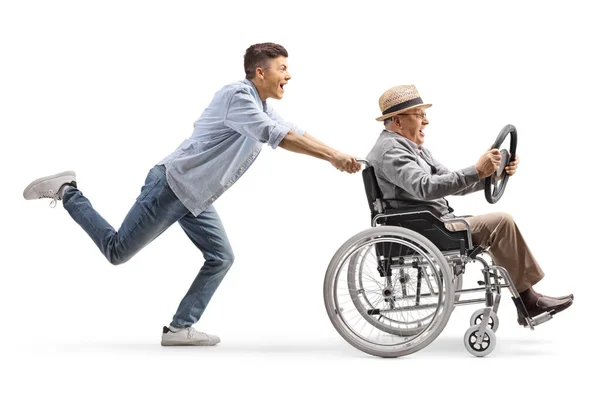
<point>46,178</point>
<point>187,344</point>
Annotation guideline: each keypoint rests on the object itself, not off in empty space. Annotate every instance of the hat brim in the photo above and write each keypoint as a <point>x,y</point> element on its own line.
<point>386,116</point>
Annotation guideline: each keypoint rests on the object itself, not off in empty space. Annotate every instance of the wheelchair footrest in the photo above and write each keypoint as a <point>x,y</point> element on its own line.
<point>540,319</point>
<point>532,322</point>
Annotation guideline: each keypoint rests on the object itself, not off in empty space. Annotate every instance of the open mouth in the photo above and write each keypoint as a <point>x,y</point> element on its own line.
<point>281,85</point>
<point>421,132</point>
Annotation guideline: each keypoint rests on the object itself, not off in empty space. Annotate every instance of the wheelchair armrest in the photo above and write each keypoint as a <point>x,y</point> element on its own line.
<point>396,213</point>
<point>464,222</point>
<point>438,221</point>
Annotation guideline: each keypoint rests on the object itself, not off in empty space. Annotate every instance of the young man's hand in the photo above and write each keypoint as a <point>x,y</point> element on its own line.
<point>344,162</point>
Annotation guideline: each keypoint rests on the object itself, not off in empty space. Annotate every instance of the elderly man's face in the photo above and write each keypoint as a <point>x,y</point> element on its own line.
<point>411,124</point>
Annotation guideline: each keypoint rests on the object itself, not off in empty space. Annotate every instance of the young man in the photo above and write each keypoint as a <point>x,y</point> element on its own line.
<point>409,177</point>
<point>226,140</point>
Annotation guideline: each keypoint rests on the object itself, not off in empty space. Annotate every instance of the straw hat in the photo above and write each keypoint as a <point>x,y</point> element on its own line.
<point>399,99</point>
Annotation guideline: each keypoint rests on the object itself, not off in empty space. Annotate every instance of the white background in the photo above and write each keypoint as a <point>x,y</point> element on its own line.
<point>109,88</point>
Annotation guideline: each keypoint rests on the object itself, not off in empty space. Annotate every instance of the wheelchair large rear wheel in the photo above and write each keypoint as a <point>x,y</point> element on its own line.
<point>366,296</point>
<point>389,291</point>
<point>408,279</point>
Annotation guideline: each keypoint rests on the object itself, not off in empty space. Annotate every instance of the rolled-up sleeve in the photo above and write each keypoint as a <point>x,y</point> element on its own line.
<point>276,117</point>
<point>244,116</point>
<point>401,168</point>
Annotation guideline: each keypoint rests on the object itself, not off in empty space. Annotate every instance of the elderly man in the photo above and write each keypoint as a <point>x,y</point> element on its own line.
<point>409,178</point>
<point>182,187</point>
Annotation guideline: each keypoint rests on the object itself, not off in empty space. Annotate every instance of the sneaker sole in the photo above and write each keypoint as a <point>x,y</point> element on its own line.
<point>47,178</point>
<point>187,344</point>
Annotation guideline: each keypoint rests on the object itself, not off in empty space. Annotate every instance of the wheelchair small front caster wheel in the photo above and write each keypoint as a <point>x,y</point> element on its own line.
<point>487,345</point>
<point>493,321</point>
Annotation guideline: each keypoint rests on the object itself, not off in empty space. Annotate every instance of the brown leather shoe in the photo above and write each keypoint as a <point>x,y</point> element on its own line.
<point>546,304</point>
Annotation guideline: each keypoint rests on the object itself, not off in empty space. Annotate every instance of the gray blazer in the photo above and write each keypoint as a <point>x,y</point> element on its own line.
<point>410,177</point>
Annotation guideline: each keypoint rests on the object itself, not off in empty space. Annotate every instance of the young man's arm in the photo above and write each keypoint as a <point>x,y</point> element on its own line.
<point>245,117</point>
<point>306,144</point>
<point>316,149</point>
<point>314,139</point>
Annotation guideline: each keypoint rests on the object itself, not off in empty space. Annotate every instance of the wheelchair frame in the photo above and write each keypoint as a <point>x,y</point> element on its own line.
<point>456,248</point>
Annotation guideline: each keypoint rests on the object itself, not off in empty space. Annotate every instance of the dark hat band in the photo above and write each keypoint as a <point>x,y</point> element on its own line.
<point>402,106</point>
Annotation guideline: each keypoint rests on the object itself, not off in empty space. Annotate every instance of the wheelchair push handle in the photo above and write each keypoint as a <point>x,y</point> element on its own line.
<point>363,161</point>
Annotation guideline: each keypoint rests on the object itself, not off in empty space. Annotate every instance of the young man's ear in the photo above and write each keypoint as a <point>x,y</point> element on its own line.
<point>260,73</point>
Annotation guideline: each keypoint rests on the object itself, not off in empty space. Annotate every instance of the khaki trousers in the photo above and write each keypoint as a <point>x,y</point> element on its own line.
<point>499,234</point>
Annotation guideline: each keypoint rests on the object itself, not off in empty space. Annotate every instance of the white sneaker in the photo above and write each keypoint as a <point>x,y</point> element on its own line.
<point>49,187</point>
<point>187,337</point>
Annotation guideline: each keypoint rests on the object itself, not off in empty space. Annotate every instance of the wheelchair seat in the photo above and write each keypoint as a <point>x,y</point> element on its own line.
<point>421,219</point>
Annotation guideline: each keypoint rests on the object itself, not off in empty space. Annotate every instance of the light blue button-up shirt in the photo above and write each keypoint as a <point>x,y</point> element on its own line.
<point>226,140</point>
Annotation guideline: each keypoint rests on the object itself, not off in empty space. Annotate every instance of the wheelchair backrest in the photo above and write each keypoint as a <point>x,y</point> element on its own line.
<point>421,219</point>
<point>374,195</point>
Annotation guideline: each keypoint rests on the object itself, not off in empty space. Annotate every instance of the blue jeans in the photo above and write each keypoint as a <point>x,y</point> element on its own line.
<point>155,209</point>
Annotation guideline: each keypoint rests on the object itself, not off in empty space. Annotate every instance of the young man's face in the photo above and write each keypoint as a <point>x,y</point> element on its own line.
<point>413,123</point>
<point>274,78</point>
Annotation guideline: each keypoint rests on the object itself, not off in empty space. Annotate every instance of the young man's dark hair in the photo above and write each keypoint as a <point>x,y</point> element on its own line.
<point>259,54</point>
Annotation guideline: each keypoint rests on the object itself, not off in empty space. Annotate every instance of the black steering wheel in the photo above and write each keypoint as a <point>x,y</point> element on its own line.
<point>493,191</point>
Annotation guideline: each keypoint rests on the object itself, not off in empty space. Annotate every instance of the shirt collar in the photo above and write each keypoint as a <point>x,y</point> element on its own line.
<point>412,145</point>
<point>255,93</point>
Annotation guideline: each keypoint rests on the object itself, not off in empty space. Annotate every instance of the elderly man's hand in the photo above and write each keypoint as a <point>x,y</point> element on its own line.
<point>512,167</point>
<point>344,162</point>
<point>488,163</point>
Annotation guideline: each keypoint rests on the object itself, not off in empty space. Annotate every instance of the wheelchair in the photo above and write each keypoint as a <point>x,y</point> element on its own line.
<point>389,290</point>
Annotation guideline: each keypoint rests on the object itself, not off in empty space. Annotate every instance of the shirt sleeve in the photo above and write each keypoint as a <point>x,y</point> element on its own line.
<point>442,170</point>
<point>402,169</point>
<point>244,116</point>
<point>276,117</point>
